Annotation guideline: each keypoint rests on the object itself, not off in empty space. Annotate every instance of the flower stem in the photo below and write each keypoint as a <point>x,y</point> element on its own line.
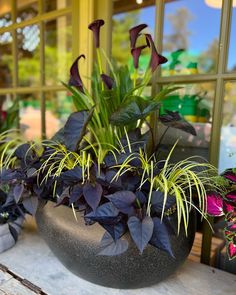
<point>99,63</point>
<point>135,76</point>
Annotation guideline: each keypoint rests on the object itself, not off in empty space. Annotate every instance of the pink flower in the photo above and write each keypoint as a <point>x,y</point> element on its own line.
<point>231,249</point>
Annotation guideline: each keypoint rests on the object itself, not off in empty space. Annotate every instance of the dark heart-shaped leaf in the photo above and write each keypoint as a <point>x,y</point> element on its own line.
<point>31,204</point>
<point>76,194</point>
<point>115,230</point>
<point>141,197</point>
<point>31,172</point>
<point>3,197</point>
<point>106,214</point>
<point>59,136</point>
<point>174,120</point>
<point>72,176</point>
<point>171,224</point>
<point>135,109</point>
<point>18,191</point>
<point>64,197</point>
<point>130,182</point>
<point>141,231</point>
<point>7,175</point>
<point>13,232</point>
<point>160,237</point>
<point>157,200</point>
<point>75,128</point>
<point>22,151</point>
<point>123,200</point>
<point>9,201</point>
<point>92,194</point>
<point>111,247</point>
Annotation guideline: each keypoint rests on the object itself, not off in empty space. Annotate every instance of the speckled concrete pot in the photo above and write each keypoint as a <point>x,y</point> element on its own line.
<point>76,246</point>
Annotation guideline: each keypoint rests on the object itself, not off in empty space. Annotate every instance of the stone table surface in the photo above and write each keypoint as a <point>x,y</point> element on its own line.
<point>33,260</point>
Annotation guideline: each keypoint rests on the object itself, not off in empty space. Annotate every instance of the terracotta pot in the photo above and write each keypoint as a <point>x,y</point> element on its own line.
<point>77,245</point>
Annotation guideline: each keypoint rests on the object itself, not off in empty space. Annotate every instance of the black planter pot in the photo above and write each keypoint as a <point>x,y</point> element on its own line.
<point>76,246</point>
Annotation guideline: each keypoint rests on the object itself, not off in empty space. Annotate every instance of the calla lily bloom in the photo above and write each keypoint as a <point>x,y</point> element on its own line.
<point>134,33</point>
<point>108,81</point>
<point>156,58</point>
<point>136,52</point>
<point>75,79</point>
<point>95,28</point>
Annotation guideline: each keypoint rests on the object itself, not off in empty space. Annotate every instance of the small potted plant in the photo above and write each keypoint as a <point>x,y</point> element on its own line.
<point>125,217</point>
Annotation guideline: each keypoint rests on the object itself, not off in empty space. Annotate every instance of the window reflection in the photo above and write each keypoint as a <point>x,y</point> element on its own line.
<point>28,55</point>
<point>122,22</point>
<point>228,129</point>
<point>194,103</point>
<point>30,116</point>
<point>26,9</point>
<point>6,60</point>
<point>59,105</point>
<point>50,5</point>
<point>190,42</point>
<point>58,50</point>
<point>232,44</point>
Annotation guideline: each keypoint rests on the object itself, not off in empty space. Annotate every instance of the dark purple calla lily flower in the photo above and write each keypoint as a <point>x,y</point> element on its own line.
<point>108,81</point>
<point>156,58</point>
<point>134,33</point>
<point>95,28</point>
<point>75,79</point>
<point>136,52</point>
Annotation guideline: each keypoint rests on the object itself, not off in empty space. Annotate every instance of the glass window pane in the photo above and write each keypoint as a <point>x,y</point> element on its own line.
<point>26,9</point>
<point>190,42</point>
<point>232,44</point>
<point>195,103</point>
<point>5,15</point>
<point>228,130</point>
<point>58,50</point>
<point>59,105</point>
<point>50,5</point>
<point>6,60</point>
<point>30,115</point>
<point>28,39</point>
<point>122,22</point>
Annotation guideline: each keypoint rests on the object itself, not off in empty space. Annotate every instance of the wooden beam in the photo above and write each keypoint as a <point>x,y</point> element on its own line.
<point>125,6</point>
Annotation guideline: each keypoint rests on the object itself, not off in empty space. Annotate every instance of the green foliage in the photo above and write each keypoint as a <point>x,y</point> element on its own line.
<point>182,181</point>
